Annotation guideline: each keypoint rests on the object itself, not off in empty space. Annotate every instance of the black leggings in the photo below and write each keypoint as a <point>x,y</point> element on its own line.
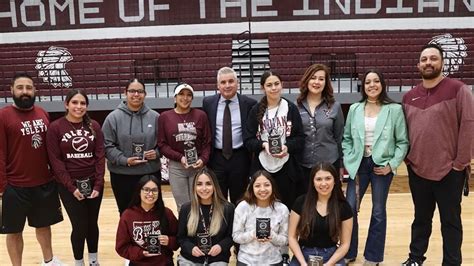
<point>83,216</point>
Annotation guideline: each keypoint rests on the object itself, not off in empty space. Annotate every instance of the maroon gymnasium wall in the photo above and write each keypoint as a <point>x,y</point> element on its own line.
<point>98,45</point>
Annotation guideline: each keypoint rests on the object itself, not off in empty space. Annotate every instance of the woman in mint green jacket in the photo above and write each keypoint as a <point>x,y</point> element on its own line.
<point>375,143</point>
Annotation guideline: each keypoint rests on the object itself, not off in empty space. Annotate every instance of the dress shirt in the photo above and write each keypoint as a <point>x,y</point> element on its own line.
<point>237,140</point>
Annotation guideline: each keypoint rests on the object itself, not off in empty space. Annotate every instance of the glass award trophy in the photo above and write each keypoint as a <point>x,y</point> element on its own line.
<point>84,186</point>
<point>263,228</point>
<point>138,150</point>
<point>204,242</point>
<point>153,244</point>
<point>190,152</point>
<point>315,260</point>
<point>274,142</point>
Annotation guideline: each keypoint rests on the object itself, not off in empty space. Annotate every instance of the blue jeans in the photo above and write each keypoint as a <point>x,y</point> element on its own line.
<point>326,253</point>
<point>375,243</point>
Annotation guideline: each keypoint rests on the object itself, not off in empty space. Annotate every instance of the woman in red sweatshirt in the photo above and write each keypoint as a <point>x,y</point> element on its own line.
<point>75,146</point>
<point>146,225</point>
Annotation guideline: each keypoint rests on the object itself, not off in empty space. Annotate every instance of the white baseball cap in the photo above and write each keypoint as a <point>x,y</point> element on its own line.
<point>183,86</point>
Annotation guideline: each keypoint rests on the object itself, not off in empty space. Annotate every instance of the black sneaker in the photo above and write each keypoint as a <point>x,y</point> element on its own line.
<point>285,259</point>
<point>411,262</point>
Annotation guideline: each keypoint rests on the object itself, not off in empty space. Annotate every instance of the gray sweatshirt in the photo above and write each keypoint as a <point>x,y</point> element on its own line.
<point>121,128</point>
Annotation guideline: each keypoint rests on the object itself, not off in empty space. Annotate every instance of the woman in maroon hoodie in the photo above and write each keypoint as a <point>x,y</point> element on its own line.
<point>75,146</point>
<point>146,233</point>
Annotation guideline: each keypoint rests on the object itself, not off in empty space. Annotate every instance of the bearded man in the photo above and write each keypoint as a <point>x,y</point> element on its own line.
<point>27,188</point>
<point>440,118</point>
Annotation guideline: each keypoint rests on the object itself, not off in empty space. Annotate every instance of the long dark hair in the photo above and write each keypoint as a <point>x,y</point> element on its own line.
<point>249,195</point>
<point>333,206</point>
<point>383,97</point>
<point>328,92</point>
<point>159,208</point>
<point>86,118</point>
<point>263,104</point>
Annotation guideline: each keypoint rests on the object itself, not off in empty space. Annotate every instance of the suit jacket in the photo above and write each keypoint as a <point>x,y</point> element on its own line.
<point>390,137</point>
<point>209,105</point>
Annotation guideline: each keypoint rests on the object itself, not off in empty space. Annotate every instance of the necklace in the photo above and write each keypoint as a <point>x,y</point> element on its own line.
<point>276,113</point>
<point>183,116</point>
<point>73,127</point>
<point>372,101</point>
<point>313,104</point>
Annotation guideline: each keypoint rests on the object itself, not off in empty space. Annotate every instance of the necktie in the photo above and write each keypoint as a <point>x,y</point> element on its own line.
<point>227,132</point>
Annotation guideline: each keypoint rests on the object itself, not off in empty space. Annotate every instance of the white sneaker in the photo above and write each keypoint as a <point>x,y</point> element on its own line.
<point>370,263</point>
<point>54,262</point>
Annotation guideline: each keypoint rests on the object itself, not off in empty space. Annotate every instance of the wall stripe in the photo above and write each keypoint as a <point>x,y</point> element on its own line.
<point>235,28</point>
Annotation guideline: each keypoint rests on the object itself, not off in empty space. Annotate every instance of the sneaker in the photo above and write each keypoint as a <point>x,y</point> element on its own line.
<point>285,259</point>
<point>349,260</point>
<point>370,263</point>
<point>411,262</point>
<point>54,262</point>
<point>94,263</point>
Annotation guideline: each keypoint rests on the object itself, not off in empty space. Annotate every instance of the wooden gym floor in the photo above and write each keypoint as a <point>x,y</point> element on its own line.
<point>399,211</point>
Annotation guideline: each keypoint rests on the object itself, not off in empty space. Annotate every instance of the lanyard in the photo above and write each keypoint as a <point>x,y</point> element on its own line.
<point>276,113</point>
<point>203,221</point>
<point>272,131</point>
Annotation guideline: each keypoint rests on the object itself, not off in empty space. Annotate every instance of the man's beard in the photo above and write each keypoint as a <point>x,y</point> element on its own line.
<point>24,101</point>
<point>431,75</point>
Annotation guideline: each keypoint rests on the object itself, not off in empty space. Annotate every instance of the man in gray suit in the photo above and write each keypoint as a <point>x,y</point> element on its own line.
<point>227,112</point>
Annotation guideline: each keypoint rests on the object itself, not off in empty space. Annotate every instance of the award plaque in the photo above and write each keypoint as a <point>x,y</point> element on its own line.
<point>204,242</point>
<point>138,150</point>
<point>315,260</point>
<point>84,186</point>
<point>263,228</point>
<point>153,244</point>
<point>190,153</point>
<point>274,144</point>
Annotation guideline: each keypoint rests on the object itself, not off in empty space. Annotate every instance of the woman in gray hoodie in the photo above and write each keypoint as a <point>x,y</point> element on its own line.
<point>130,143</point>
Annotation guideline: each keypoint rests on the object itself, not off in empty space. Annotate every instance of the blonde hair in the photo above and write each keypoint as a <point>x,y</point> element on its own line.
<point>218,205</point>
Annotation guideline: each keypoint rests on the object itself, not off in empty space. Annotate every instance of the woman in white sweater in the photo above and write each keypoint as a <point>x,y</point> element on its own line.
<point>260,205</point>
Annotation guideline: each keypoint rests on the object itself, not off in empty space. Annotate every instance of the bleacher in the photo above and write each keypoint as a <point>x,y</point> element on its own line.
<point>394,53</point>
<point>103,67</point>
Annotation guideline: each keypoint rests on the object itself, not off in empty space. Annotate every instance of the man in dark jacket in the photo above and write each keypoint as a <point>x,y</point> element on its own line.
<point>227,111</point>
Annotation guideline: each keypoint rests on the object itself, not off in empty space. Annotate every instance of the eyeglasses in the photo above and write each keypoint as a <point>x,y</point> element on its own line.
<point>148,190</point>
<point>133,91</point>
